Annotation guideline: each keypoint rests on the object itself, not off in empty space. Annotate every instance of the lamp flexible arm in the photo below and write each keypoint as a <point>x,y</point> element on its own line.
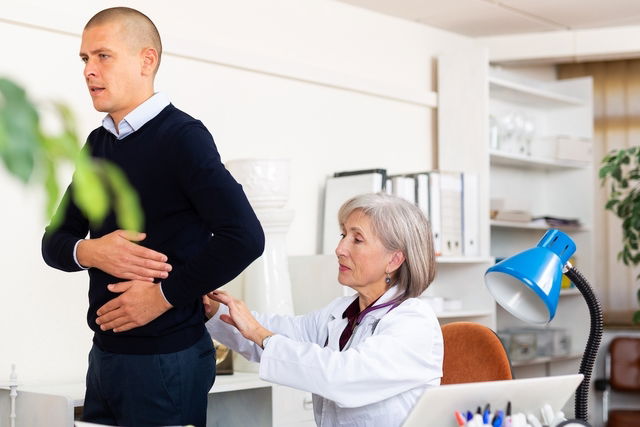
<point>593,342</point>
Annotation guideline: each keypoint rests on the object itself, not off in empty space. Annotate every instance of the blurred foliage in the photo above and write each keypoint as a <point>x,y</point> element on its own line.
<point>622,169</point>
<point>32,155</point>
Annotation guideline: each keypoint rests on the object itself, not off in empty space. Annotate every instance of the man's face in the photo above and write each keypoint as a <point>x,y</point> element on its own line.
<point>113,70</point>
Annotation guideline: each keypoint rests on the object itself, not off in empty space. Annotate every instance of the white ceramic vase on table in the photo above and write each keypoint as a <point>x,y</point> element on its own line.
<point>267,286</point>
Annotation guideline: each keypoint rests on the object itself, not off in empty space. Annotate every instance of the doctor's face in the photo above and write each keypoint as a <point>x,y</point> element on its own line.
<point>362,257</point>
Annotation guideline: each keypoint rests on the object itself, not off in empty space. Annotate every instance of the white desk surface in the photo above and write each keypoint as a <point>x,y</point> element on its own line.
<point>74,392</point>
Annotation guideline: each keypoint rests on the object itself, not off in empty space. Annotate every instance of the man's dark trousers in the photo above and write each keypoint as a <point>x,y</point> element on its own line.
<point>150,390</point>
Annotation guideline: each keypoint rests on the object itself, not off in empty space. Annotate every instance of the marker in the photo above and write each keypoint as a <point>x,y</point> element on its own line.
<point>485,416</point>
<point>460,419</point>
<point>498,419</point>
<point>469,415</point>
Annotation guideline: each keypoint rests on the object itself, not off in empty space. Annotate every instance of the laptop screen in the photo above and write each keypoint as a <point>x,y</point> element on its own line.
<point>437,405</point>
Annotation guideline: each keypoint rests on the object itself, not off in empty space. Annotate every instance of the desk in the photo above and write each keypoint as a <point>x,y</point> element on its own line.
<point>241,399</point>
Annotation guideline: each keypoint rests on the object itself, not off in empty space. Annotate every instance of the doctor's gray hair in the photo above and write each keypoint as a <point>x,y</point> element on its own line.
<point>400,226</point>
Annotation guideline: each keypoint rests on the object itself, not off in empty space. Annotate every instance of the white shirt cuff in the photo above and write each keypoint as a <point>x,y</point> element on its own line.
<point>75,256</point>
<point>162,292</point>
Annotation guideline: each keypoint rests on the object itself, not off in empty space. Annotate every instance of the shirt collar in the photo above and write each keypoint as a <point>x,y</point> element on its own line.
<point>138,117</point>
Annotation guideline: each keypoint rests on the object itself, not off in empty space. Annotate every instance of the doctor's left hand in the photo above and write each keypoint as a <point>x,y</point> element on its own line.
<point>140,303</point>
<point>240,316</point>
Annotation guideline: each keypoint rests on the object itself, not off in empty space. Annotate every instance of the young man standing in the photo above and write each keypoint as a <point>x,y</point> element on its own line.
<point>152,363</point>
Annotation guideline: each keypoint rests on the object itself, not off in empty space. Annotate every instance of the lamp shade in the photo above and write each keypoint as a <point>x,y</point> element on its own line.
<point>527,285</point>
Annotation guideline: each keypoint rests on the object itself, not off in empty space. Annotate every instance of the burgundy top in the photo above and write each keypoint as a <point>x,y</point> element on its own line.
<point>354,316</point>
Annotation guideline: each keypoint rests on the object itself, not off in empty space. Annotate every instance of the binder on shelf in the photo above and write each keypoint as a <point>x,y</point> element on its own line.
<point>470,215</point>
<point>422,192</point>
<point>404,187</point>
<point>434,211</point>
<point>451,213</point>
<point>340,188</point>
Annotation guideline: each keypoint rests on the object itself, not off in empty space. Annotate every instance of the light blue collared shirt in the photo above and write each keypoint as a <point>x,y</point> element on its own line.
<point>131,123</point>
<point>138,117</point>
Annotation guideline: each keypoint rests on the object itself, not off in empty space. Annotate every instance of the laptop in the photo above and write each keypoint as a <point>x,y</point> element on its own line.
<point>437,405</point>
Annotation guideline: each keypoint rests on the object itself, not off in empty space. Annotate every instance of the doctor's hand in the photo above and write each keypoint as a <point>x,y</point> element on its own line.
<point>210,306</point>
<point>117,254</point>
<point>140,303</point>
<point>240,317</point>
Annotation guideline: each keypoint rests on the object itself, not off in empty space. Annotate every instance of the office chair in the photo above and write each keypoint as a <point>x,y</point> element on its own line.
<point>622,372</point>
<point>473,353</point>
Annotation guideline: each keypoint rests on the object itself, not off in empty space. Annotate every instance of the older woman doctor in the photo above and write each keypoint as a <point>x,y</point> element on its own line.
<point>366,359</point>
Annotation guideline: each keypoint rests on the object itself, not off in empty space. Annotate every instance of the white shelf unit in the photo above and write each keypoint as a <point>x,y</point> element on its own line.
<point>544,360</point>
<point>535,226</point>
<point>463,260</point>
<point>533,162</point>
<point>545,186</point>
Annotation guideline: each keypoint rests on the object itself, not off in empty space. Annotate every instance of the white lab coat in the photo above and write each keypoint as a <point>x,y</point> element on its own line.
<point>393,356</point>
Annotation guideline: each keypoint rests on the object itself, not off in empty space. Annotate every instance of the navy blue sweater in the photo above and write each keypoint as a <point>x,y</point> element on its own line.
<point>195,213</point>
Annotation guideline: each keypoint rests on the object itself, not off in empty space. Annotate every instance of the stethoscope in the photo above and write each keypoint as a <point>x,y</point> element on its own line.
<point>394,303</point>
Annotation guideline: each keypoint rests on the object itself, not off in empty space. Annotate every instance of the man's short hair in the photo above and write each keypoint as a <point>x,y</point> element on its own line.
<point>136,24</point>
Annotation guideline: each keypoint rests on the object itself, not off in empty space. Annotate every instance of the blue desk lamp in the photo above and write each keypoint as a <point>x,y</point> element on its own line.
<point>527,285</point>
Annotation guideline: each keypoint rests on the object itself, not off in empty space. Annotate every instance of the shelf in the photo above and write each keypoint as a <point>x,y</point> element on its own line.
<point>462,260</point>
<point>462,314</point>
<point>518,160</point>
<point>534,226</point>
<point>507,90</point>
<point>542,360</point>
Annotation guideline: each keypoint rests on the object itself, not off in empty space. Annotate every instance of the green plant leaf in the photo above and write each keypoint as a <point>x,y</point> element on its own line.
<point>611,203</point>
<point>20,127</point>
<point>126,204</point>
<point>89,193</point>
<point>51,187</point>
<point>636,317</point>
<point>58,217</point>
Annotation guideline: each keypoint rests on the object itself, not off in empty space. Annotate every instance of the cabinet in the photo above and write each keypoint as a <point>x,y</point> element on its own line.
<point>526,174</point>
<point>533,179</point>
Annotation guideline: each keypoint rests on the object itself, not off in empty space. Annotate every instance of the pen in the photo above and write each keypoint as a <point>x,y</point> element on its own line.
<point>460,419</point>
<point>469,415</point>
<point>486,413</point>
<point>498,420</point>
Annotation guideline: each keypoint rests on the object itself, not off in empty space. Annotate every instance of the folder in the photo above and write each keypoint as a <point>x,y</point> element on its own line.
<point>451,213</point>
<point>422,192</point>
<point>340,188</point>
<point>404,187</point>
<point>470,215</point>
<point>434,211</point>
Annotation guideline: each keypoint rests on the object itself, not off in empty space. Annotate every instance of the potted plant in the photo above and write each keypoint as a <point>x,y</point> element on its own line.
<point>29,153</point>
<point>622,169</point>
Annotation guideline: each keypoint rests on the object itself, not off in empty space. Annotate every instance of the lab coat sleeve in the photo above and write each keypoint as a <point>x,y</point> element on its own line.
<point>404,352</point>
<point>299,328</point>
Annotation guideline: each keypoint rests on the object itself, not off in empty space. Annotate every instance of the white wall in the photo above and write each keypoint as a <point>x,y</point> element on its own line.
<point>269,79</point>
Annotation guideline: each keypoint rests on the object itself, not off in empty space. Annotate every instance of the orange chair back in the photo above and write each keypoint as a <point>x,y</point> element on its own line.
<point>473,353</point>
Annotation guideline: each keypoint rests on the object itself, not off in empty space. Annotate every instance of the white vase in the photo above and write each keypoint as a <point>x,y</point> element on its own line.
<point>267,285</point>
<point>264,181</point>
